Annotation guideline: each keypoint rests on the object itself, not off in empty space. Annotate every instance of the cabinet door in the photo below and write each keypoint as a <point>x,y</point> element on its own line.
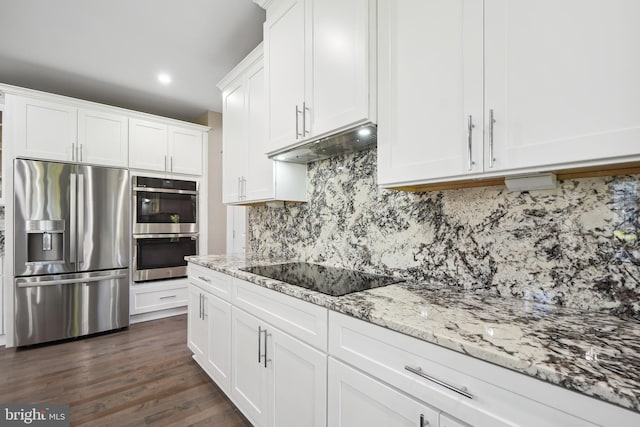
<point>234,141</point>
<point>249,375</point>
<point>259,185</point>
<point>430,83</point>
<point>218,363</point>
<point>147,145</point>
<point>103,138</point>
<point>340,77</point>
<point>185,151</point>
<point>297,381</point>
<point>562,79</point>
<point>285,40</point>
<point>447,421</point>
<point>43,129</point>
<point>196,324</point>
<point>355,400</point>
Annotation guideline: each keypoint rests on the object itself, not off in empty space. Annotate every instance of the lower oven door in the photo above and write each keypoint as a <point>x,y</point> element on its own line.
<point>161,256</point>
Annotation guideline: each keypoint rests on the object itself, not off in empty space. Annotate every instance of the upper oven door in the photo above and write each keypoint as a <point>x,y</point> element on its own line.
<point>164,210</point>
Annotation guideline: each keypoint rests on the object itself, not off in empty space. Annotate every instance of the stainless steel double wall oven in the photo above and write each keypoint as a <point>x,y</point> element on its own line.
<point>165,227</point>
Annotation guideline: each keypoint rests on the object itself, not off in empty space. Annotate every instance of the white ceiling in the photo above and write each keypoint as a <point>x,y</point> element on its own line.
<point>110,51</point>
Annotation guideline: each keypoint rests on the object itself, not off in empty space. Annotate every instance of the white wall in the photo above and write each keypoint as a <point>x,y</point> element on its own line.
<point>217,212</point>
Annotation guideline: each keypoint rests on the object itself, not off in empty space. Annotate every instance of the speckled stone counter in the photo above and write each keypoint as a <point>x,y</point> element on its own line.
<point>589,352</point>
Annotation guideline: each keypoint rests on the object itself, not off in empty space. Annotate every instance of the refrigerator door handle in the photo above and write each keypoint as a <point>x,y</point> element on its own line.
<point>24,282</point>
<point>80,231</point>
<point>73,204</point>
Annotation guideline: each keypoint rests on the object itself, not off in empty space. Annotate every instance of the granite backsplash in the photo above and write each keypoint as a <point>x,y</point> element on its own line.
<point>575,246</point>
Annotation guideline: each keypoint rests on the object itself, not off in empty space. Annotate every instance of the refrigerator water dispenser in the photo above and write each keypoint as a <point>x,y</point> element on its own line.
<point>45,241</point>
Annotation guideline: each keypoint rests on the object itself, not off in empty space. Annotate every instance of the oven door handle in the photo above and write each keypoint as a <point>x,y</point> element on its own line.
<point>164,190</point>
<point>165,236</point>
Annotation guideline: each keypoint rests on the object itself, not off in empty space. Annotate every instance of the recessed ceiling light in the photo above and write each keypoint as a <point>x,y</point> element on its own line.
<point>164,78</point>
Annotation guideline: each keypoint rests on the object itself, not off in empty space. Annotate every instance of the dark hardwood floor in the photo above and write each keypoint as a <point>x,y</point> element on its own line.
<point>141,376</point>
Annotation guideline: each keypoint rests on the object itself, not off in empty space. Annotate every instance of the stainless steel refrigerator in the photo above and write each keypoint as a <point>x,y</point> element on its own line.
<point>71,250</point>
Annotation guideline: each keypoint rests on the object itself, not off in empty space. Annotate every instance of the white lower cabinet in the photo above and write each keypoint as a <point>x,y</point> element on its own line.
<point>286,362</point>
<point>356,399</point>
<point>249,376</point>
<point>447,421</point>
<point>297,381</point>
<point>196,324</point>
<point>217,314</point>
<point>277,380</point>
<point>209,327</point>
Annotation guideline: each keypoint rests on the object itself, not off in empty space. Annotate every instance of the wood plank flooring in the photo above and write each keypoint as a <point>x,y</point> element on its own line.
<point>141,376</point>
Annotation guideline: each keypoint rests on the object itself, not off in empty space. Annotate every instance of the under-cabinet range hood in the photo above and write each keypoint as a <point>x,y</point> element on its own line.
<point>355,139</point>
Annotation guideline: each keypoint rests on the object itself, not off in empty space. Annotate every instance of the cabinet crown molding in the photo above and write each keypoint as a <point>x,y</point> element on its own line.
<point>253,57</point>
<point>263,3</point>
<point>81,103</point>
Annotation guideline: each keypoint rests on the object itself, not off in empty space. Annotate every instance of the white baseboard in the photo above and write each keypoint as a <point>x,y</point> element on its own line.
<point>154,315</point>
<point>3,340</point>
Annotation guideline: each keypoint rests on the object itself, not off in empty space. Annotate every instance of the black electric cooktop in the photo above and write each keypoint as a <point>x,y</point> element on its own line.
<point>327,280</point>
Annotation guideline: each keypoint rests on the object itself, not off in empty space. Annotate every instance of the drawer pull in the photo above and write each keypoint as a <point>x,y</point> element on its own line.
<point>418,371</point>
<point>168,296</point>
<point>205,279</point>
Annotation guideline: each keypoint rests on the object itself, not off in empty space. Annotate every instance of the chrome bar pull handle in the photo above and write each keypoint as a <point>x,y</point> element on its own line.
<point>165,162</point>
<point>418,371</point>
<point>470,127</point>
<point>298,134</point>
<point>204,279</point>
<point>305,132</point>
<point>80,219</point>
<point>204,307</point>
<point>491,123</point>
<point>423,422</point>
<point>73,223</point>
<point>80,150</point>
<point>265,348</point>
<point>200,308</point>
<point>259,344</point>
<point>73,152</point>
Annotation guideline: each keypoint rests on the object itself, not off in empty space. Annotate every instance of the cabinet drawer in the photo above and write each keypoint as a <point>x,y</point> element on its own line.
<point>147,298</point>
<point>303,320</point>
<point>496,394</point>
<point>214,282</point>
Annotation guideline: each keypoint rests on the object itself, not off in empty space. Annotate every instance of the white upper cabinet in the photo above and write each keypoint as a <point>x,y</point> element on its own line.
<point>249,176</point>
<point>427,90</point>
<point>44,129</point>
<point>472,89</point>
<point>562,80</point>
<point>343,69</point>
<point>235,150</point>
<point>166,148</point>
<point>320,70</point>
<point>50,130</point>
<point>51,127</point>
<point>148,145</point>
<point>185,151</point>
<point>103,138</point>
<point>285,40</point>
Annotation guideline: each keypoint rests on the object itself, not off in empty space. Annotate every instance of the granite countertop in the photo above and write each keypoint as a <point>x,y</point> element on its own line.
<point>589,352</point>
